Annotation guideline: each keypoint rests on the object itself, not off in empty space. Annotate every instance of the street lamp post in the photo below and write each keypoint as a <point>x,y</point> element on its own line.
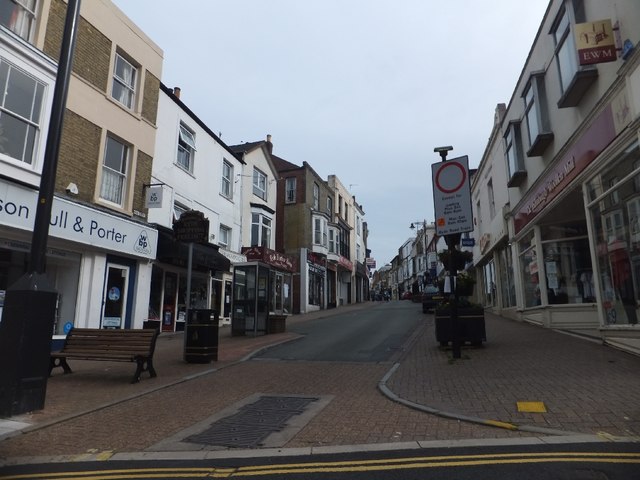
<point>452,242</point>
<point>30,304</point>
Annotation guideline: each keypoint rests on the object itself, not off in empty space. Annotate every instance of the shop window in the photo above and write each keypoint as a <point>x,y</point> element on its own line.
<point>567,266</point>
<point>259,184</point>
<point>614,216</point>
<point>290,190</point>
<point>538,129</point>
<point>513,155</point>
<point>186,148</point>
<point>20,109</point>
<point>18,16</point>
<point>507,283</point>
<point>489,284</point>
<point>574,80</point>
<point>226,189</point>
<point>124,81</point>
<point>529,268</point>
<point>260,230</point>
<point>114,171</point>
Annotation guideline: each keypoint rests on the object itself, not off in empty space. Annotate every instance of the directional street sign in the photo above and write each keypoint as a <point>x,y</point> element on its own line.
<point>452,196</point>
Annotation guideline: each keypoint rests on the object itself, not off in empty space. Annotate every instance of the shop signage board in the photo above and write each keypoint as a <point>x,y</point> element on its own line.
<point>595,42</point>
<point>192,227</point>
<point>452,196</point>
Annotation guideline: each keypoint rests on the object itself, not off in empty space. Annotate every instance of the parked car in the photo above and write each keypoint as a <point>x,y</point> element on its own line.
<point>431,297</point>
<point>406,296</point>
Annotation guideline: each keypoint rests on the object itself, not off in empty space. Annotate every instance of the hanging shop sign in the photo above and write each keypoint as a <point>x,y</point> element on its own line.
<point>278,260</point>
<point>595,42</point>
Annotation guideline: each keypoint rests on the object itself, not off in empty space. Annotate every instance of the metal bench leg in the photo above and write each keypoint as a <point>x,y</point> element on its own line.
<point>139,369</point>
<point>59,362</point>
<point>150,369</point>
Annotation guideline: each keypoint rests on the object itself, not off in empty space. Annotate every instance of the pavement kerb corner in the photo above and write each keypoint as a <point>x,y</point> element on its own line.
<point>382,386</point>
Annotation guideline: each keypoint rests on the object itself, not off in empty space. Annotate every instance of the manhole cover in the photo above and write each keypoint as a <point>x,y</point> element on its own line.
<point>253,423</point>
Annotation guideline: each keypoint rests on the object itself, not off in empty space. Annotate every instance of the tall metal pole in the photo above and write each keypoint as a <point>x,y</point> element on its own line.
<point>30,304</point>
<point>452,241</point>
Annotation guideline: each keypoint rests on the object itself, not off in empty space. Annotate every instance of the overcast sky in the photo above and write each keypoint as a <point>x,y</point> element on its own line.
<point>363,89</point>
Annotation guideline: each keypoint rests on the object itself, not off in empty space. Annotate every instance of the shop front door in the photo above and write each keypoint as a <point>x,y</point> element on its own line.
<point>114,300</point>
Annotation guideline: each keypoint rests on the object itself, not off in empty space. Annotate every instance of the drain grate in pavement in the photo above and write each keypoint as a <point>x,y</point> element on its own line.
<point>253,423</point>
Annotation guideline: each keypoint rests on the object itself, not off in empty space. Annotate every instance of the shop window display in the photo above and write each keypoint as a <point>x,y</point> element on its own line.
<point>614,212</point>
<point>63,271</point>
<point>529,269</point>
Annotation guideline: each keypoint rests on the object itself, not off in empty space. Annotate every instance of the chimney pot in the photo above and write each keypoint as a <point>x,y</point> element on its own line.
<point>176,92</point>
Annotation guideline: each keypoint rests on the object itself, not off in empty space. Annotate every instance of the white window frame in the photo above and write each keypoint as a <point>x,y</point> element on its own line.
<point>178,210</point>
<point>226,186</point>
<point>290,185</point>
<point>127,87</point>
<point>23,18</point>
<point>224,236</point>
<point>115,171</point>
<point>330,206</point>
<point>186,148</point>
<point>261,230</point>
<point>259,184</point>
<point>27,117</point>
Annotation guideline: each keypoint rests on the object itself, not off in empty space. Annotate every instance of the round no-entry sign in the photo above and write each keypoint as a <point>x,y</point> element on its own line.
<point>450,177</point>
<point>452,196</point>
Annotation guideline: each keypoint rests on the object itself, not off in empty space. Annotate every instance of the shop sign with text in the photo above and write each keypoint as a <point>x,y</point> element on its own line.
<point>77,223</point>
<point>595,42</point>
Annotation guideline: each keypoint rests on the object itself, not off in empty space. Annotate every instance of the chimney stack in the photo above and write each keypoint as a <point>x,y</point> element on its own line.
<point>176,92</point>
<point>269,144</point>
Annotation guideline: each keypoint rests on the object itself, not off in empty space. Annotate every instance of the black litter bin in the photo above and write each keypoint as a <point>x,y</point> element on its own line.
<point>201,336</point>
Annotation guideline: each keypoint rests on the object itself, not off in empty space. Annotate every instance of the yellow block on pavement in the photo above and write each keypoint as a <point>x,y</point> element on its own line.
<point>531,407</point>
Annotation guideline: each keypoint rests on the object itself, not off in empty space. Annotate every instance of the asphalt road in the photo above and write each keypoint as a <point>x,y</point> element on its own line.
<point>371,335</point>
<point>583,461</point>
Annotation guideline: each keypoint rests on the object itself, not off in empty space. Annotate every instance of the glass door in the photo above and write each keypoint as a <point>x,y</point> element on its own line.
<point>114,299</point>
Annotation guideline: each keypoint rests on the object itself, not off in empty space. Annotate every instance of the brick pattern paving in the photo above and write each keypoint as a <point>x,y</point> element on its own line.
<point>586,387</point>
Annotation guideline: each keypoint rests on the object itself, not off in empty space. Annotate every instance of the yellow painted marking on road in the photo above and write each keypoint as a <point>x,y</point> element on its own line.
<point>345,466</point>
<point>531,407</point>
<point>496,423</point>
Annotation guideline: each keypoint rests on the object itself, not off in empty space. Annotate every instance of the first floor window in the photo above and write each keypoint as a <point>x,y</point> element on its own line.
<point>114,171</point>
<point>260,230</point>
<point>259,184</point>
<point>186,149</point>
<point>20,109</point>
<point>290,190</point>
<point>227,180</point>
<point>178,210</point>
<point>224,238</point>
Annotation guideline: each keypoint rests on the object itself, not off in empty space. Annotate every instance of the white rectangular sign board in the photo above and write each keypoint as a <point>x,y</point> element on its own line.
<point>452,196</point>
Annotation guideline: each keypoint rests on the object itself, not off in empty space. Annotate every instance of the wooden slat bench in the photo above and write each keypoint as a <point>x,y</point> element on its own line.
<point>117,345</point>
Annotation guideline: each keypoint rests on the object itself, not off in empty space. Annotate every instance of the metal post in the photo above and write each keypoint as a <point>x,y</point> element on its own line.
<point>30,304</point>
<point>452,241</point>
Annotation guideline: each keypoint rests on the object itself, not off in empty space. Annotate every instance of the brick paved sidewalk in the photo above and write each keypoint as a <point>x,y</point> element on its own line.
<point>585,386</point>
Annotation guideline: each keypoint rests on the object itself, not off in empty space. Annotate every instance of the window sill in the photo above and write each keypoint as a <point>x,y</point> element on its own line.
<point>540,144</point>
<point>517,178</point>
<point>580,83</point>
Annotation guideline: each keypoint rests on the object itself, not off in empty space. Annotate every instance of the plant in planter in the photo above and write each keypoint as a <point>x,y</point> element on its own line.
<point>460,257</point>
<point>464,284</point>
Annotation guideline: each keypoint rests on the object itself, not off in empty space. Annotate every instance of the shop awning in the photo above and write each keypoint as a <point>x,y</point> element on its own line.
<point>205,257</point>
